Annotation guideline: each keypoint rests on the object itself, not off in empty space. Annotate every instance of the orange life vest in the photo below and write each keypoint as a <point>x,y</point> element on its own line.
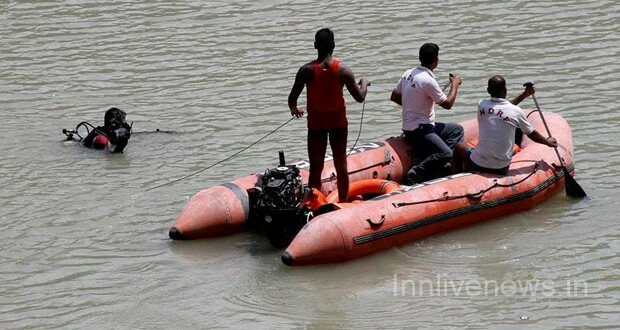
<point>326,108</point>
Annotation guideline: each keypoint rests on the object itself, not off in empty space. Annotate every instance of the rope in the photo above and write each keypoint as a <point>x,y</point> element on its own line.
<point>252,144</point>
<point>476,195</point>
<point>360,130</point>
<point>531,112</point>
<point>223,160</point>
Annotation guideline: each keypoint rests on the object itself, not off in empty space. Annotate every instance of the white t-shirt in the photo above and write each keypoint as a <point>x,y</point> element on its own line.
<point>497,122</point>
<point>419,92</point>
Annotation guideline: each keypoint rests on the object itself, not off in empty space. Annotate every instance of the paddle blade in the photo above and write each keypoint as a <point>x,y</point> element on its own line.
<point>573,188</point>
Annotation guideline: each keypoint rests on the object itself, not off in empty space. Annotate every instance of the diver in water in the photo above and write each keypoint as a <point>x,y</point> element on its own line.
<point>115,131</point>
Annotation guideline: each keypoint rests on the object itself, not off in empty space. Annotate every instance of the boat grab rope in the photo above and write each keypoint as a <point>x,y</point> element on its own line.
<point>223,160</point>
<point>478,195</point>
<point>531,112</point>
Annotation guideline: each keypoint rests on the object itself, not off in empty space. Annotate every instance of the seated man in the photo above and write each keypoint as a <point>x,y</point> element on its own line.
<point>115,131</point>
<point>417,92</point>
<point>498,121</point>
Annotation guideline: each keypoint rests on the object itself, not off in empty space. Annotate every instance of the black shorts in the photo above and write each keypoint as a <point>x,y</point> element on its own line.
<point>473,167</point>
<point>326,132</point>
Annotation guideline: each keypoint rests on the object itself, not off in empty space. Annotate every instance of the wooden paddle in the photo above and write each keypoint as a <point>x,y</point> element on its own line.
<point>573,189</point>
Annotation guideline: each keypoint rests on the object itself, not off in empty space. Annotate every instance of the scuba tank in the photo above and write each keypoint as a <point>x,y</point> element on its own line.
<point>117,133</point>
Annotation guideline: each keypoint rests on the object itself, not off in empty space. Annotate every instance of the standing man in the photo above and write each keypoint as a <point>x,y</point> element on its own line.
<point>327,115</point>
<point>417,92</point>
<point>498,121</point>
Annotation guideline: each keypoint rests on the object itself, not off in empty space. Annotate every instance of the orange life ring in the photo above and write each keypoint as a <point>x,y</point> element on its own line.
<point>315,199</point>
<point>473,143</point>
<point>363,187</point>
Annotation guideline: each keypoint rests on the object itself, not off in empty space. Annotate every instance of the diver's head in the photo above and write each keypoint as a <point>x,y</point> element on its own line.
<point>114,117</point>
<point>116,126</point>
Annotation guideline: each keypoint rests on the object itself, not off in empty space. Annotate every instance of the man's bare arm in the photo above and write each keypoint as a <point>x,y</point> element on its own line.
<point>357,90</point>
<point>537,137</point>
<point>455,82</point>
<point>396,98</point>
<point>298,86</point>
<point>529,90</point>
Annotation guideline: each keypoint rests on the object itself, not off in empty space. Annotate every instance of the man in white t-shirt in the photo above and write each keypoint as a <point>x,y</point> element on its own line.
<point>417,92</point>
<point>498,120</point>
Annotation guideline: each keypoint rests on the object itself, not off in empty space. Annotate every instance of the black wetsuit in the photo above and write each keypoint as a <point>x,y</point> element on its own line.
<point>117,133</point>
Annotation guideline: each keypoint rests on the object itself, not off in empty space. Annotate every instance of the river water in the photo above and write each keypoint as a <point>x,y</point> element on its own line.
<point>84,245</point>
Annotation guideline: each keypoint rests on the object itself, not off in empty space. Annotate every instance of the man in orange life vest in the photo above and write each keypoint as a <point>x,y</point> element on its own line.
<point>327,116</point>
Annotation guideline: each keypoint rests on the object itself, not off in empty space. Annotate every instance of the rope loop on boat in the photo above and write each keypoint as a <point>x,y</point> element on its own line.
<point>477,195</point>
<point>378,223</point>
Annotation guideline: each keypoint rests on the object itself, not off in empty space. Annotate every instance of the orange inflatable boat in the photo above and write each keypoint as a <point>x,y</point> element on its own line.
<point>390,214</point>
<point>229,208</point>
<point>414,212</point>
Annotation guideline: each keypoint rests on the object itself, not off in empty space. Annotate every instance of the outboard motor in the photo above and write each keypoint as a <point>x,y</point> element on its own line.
<point>280,207</point>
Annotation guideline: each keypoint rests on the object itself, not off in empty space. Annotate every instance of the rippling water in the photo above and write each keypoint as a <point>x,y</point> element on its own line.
<point>83,244</point>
